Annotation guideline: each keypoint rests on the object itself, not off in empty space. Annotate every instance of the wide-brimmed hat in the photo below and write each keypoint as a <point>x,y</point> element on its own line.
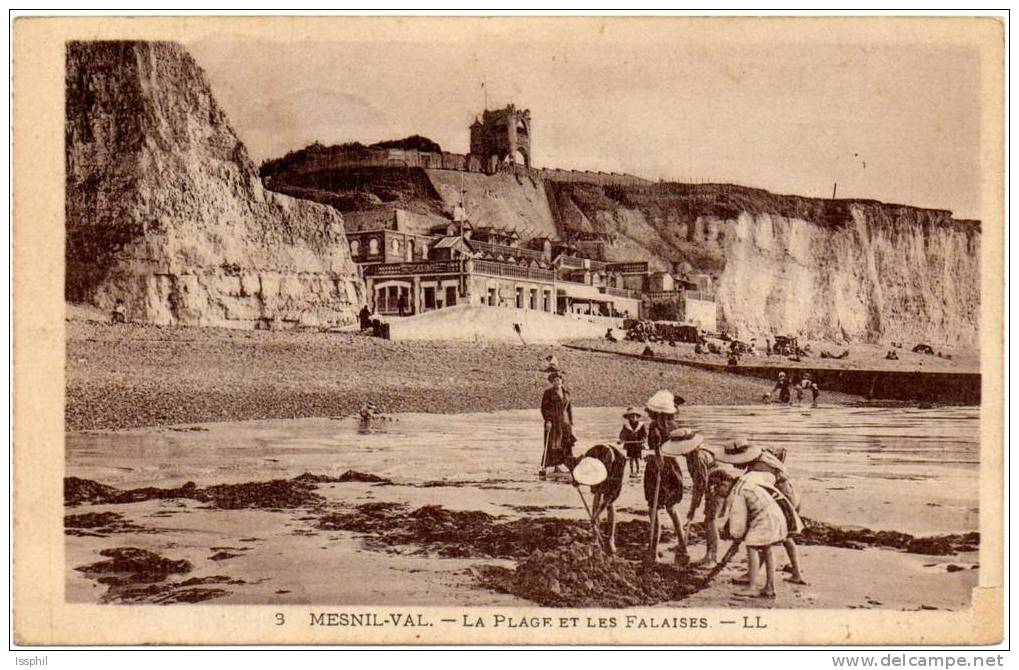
<point>781,375</point>
<point>739,452</point>
<point>662,402</point>
<point>631,411</point>
<point>590,472</point>
<point>681,442</point>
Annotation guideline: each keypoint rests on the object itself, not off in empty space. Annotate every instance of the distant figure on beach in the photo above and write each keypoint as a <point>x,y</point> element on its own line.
<point>782,386</point>
<point>119,312</point>
<point>767,347</point>
<point>609,337</point>
<point>807,385</point>
<point>365,318</point>
<point>557,412</point>
<point>891,355</point>
<point>633,435</point>
<point>401,304</point>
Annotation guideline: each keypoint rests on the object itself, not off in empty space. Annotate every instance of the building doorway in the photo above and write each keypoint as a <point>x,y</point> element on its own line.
<point>450,296</point>
<point>429,297</point>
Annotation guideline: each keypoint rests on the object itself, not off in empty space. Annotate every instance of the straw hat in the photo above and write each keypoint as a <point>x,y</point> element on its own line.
<point>631,411</point>
<point>681,442</point>
<point>590,472</point>
<point>662,402</point>
<point>781,375</point>
<point>740,452</point>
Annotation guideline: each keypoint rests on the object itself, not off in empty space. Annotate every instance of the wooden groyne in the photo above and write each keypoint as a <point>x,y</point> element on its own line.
<point>905,385</point>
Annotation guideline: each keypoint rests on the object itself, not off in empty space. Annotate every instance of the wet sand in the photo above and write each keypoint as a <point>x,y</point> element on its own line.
<point>453,517</point>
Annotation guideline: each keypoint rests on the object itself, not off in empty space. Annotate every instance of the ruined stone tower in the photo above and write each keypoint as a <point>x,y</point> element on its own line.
<point>502,136</point>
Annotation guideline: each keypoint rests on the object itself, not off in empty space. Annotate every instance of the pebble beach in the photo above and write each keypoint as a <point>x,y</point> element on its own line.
<point>131,376</point>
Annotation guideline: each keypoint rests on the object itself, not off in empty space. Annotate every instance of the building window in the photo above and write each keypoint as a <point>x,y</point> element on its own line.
<point>396,246</point>
<point>355,247</point>
<point>373,247</point>
<point>424,251</point>
<point>493,298</point>
<point>546,305</point>
<point>534,298</point>
<point>520,297</point>
<point>450,296</point>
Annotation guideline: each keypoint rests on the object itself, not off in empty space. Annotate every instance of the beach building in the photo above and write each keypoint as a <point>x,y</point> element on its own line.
<point>460,263</point>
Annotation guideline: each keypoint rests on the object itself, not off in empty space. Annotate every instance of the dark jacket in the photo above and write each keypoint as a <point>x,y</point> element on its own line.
<point>558,411</point>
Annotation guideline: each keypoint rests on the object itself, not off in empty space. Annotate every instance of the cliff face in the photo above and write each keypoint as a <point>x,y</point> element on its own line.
<point>857,270</point>
<point>165,211</point>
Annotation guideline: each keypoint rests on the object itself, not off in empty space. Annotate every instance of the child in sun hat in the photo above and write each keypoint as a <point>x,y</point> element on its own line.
<point>768,513</point>
<point>720,479</point>
<point>607,492</point>
<point>663,480</point>
<point>633,435</point>
<point>769,469</point>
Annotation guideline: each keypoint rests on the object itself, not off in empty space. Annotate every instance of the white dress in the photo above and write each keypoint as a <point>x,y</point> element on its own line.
<point>756,517</point>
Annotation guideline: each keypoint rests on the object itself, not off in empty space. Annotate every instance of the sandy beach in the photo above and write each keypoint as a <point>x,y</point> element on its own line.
<point>425,509</point>
<point>131,376</point>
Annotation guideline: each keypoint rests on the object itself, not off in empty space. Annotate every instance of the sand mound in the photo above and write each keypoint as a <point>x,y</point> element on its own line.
<point>818,532</point>
<point>101,524</point>
<point>274,494</point>
<point>582,576</point>
<point>129,565</point>
<point>135,575</point>
<point>480,323</point>
<point>77,491</point>
<point>348,476</point>
<point>454,534</point>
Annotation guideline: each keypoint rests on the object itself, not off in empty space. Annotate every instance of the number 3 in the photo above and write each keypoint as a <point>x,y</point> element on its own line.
<point>280,619</point>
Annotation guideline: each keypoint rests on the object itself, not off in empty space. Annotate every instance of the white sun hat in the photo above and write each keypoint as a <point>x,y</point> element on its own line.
<point>740,452</point>
<point>681,442</point>
<point>662,402</point>
<point>590,472</point>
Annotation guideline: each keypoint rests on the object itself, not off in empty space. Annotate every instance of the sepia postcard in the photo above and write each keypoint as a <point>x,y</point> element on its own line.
<point>508,330</point>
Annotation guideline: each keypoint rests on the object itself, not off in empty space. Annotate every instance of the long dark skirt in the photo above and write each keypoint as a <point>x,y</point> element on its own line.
<point>558,445</point>
<point>670,491</point>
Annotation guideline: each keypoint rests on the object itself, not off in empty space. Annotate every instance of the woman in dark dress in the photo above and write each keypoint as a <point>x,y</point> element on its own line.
<point>557,411</point>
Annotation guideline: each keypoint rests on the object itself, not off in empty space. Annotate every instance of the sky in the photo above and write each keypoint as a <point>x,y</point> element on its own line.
<point>897,122</point>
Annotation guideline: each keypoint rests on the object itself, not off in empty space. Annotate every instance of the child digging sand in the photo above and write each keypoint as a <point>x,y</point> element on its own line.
<point>633,436</point>
<point>663,480</point>
<point>767,467</point>
<point>761,517</point>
